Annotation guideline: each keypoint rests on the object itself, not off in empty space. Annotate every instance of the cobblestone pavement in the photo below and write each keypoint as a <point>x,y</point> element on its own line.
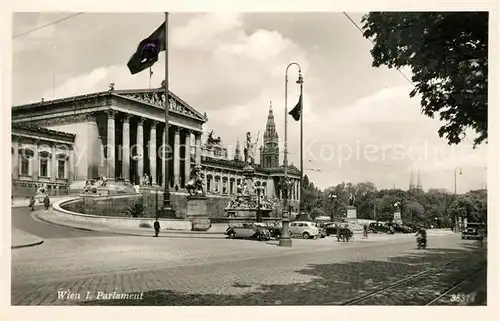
<point>218,272</point>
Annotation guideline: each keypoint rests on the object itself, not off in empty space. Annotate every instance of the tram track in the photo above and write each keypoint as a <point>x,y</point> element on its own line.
<point>384,294</point>
<point>456,286</point>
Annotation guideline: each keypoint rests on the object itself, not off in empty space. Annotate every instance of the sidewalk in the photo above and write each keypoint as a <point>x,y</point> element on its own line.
<point>51,218</point>
<point>22,239</point>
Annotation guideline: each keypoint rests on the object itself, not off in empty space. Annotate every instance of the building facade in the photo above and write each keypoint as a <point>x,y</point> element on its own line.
<point>121,134</point>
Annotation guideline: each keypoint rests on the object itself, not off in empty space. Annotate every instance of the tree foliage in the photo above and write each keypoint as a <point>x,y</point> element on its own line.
<point>448,55</point>
<point>434,207</point>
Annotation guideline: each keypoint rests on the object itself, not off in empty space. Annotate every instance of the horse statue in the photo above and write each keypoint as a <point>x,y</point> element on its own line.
<point>195,184</point>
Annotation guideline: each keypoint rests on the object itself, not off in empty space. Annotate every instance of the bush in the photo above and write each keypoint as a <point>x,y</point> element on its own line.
<point>137,209</point>
<point>145,225</point>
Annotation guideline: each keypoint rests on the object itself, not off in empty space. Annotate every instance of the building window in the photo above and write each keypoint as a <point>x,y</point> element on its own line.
<point>231,187</point>
<point>25,166</point>
<point>209,180</point>
<point>224,187</point>
<point>60,168</point>
<point>44,167</point>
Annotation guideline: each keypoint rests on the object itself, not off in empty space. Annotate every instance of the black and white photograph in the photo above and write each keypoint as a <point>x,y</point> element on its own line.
<point>239,158</point>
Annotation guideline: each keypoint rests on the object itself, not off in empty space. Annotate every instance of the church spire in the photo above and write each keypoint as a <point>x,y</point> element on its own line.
<point>419,183</point>
<point>412,182</point>
<point>269,151</point>
<point>237,152</point>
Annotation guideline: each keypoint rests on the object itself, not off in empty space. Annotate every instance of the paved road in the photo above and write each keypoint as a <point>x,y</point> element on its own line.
<point>218,271</point>
<point>22,220</point>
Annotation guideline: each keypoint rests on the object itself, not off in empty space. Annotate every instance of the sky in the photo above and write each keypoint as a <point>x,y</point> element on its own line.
<point>359,122</point>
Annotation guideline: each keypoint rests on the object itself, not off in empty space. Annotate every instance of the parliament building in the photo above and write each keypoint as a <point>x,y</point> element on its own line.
<point>117,134</point>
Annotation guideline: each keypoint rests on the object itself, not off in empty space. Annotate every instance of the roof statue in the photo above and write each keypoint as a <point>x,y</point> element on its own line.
<point>212,140</point>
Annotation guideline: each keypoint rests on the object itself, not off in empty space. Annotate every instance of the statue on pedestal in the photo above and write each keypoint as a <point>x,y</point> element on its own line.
<point>195,184</point>
<point>42,189</point>
<point>145,180</point>
<point>351,200</point>
<point>249,150</point>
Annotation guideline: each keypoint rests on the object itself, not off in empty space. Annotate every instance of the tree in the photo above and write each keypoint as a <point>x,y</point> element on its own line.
<point>448,55</point>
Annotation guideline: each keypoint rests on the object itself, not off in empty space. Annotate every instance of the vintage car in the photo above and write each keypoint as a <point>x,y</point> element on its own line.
<point>400,228</point>
<point>248,231</point>
<point>306,230</point>
<point>274,229</point>
<point>331,228</point>
<point>471,230</point>
<point>379,227</point>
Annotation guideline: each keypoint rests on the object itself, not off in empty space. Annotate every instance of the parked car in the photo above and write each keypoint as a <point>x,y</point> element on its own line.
<point>471,230</point>
<point>274,229</point>
<point>400,228</point>
<point>306,230</point>
<point>322,230</point>
<point>331,228</point>
<point>248,231</point>
<point>379,227</point>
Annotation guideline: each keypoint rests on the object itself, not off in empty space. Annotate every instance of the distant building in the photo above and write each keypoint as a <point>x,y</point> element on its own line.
<point>412,186</point>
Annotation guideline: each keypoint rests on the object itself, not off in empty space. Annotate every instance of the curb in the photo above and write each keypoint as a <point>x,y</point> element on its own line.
<point>60,225</point>
<point>13,247</point>
<point>123,233</point>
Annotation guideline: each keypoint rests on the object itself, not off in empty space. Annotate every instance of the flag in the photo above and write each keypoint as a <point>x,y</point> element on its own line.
<point>147,52</point>
<point>296,112</point>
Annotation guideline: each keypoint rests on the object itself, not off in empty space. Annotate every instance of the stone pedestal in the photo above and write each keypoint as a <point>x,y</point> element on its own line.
<point>351,214</point>
<point>197,212</point>
<point>397,217</point>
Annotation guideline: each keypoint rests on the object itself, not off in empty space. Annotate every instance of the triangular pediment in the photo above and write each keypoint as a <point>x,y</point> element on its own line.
<point>156,98</point>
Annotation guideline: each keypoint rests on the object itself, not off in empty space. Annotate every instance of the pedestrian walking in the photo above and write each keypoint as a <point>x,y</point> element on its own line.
<point>32,203</point>
<point>46,202</point>
<point>156,225</point>
<point>365,231</point>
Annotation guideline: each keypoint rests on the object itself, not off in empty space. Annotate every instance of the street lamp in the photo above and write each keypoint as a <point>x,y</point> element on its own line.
<point>333,197</point>
<point>285,239</point>
<point>457,225</point>
<point>455,177</point>
<point>258,188</point>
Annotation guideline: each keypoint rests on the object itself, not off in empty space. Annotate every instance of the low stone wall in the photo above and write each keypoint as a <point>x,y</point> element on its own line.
<point>215,203</point>
<point>114,205</point>
<point>116,222</point>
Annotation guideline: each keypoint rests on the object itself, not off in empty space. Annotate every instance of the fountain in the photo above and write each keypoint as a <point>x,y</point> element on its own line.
<point>249,204</point>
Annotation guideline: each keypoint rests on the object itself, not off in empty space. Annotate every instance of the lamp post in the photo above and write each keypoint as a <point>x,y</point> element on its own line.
<point>285,239</point>
<point>333,197</point>
<point>457,225</point>
<point>258,188</point>
<point>166,192</point>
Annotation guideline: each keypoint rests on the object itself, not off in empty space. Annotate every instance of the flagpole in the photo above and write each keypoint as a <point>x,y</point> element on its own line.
<point>285,239</point>
<point>300,81</point>
<point>151,74</point>
<point>166,156</point>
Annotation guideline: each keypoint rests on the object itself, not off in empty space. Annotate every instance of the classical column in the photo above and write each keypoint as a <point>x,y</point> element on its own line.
<point>35,163</point>
<point>53,163</point>
<point>177,159</point>
<point>15,159</point>
<point>187,156</point>
<point>110,159</point>
<point>152,152</point>
<point>126,148</point>
<point>70,168</point>
<point>140,147</point>
<point>164,154</point>
<point>198,148</point>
